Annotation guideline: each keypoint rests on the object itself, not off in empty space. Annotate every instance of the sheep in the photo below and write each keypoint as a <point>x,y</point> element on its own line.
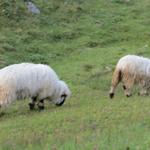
<point>131,70</point>
<point>35,81</point>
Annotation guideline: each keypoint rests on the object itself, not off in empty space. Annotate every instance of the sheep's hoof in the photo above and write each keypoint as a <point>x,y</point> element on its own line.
<point>111,95</point>
<point>128,95</point>
<point>41,107</point>
<point>31,106</point>
<point>2,114</point>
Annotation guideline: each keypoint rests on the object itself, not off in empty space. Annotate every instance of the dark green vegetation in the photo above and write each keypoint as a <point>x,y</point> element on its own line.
<point>82,40</point>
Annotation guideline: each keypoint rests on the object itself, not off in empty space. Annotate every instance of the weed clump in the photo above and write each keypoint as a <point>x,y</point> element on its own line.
<point>12,9</point>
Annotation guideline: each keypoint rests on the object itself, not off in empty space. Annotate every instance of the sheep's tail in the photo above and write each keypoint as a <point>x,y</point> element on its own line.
<point>117,76</point>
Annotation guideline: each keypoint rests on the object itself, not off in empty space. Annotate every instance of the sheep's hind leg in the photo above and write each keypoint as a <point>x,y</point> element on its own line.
<point>41,104</point>
<point>32,104</point>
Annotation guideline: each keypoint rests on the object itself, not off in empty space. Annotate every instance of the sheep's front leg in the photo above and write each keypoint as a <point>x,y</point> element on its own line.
<point>41,104</point>
<point>128,82</point>
<point>127,90</point>
<point>32,104</point>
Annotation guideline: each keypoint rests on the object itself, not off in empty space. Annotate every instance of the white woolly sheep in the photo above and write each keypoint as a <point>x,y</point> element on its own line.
<point>35,81</point>
<point>131,69</point>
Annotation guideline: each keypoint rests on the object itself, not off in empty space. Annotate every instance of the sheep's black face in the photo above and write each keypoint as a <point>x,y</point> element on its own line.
<point>63,98</point>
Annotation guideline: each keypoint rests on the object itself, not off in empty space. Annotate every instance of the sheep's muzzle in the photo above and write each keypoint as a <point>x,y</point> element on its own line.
<point>63,100</point>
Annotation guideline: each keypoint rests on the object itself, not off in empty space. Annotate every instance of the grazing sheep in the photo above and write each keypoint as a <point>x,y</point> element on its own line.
<point>131,69</point>
<point>35,81</point>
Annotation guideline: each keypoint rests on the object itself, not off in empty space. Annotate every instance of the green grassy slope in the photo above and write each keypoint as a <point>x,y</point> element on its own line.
<point>82,41</point>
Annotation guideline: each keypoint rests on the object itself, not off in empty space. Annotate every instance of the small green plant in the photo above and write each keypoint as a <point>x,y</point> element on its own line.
<point>12,9</point>
<point>123,1</point>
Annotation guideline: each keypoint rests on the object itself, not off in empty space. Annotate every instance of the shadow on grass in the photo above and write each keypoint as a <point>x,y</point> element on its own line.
<point>17,109</point>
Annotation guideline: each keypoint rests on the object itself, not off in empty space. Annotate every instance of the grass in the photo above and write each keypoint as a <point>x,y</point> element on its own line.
<point>82,41</point>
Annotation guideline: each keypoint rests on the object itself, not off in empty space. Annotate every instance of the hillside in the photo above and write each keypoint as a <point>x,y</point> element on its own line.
<point>82,41</point>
